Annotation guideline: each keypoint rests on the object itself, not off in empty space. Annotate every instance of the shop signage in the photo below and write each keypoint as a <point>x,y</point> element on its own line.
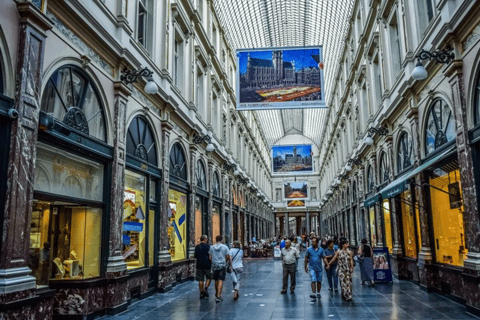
<point>133,226</point>
<point>397,188</point>
<point>371,201</point>
<point>129,196</point>
<point>382,271</point>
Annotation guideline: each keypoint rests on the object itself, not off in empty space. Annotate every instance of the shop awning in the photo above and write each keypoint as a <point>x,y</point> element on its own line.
<point>396,187</point>
<point>372,200</point>
<point>401,184</point>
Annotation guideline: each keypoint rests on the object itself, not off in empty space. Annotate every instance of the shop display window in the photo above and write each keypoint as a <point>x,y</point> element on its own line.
<point>408,223</point>
<point>65,241</point>
<point>177,224</point>
<point>198,220</point>
<point>66,174</point>
<point>373,230</point>
<point>134,218</point>
<point>388,225</point>
<point>447,215</point>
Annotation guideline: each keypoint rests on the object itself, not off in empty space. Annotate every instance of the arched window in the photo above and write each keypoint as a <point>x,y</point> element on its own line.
<point>404,156</point>
<point>71,97</point>
<point>141,141</point>
<point>384,169</point>
<point>440,126</point>
<point>178,164</point>
<point>216,185</point>
<point>370,180</point>
<point>477,101</point>
<point>201,176</point>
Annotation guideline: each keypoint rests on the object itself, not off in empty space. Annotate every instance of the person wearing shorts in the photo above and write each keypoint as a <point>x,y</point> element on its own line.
<point>219,255</point>
<point>313,265</point>
<point>204,266</point>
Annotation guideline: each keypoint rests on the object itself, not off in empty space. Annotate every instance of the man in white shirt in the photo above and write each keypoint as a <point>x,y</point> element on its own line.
<point>289,256</point>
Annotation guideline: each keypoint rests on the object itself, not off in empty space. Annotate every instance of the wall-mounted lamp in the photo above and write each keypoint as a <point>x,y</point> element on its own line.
<point>382,131</point>
<point>199,139</point>
<point>368,140</point>
<point>129,76</point>
<point>444,56</point>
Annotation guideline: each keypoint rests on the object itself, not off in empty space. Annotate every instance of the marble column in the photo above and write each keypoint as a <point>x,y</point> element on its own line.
<point>471,218</point>
<point>287,224</point>
<point>164,256</point>
<point>193,192</point>
<point>116,265</point>
<point>307,223</point>
<point>425,254</point>
<point>14,272</point>
<point>210,198</point>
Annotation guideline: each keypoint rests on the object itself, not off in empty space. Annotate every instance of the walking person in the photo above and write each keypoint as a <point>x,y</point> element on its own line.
<point>289,255</point>
<point>313,261</point>
<point>345,269</point>
<point>365,261</point>
<point>204,266</point>
<point>219,256</point>
<point>332,271</point>
<point>296,245</point>
<point>236,267</point>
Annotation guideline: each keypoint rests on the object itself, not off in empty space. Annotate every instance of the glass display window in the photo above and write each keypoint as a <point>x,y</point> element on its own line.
<point>65,241</point>
<point>177,224</point>
<point>447,215</point>
<point>388,225</point>
<point>373,230</point>
<point>134,220</point>
<point>408,224</point>
<point>198,220</point>
<point>66,174</point>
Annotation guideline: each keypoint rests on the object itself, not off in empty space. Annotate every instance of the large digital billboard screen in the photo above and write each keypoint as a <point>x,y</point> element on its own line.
<point>292,159</point>
<point>280,78</point>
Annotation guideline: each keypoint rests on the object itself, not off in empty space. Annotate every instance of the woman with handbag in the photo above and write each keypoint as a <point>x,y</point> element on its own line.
<point>365,259</point>
<point>236,267</point>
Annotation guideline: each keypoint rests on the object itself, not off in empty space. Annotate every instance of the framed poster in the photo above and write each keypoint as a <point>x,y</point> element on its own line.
<point>280,78</point>
<point>382,271</point>
<point>292,159</point>
<point>295,203</point>
<point>295,190</point>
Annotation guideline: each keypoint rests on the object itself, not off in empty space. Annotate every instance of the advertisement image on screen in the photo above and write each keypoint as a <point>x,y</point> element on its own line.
<point>296,190</point>
<point>295,203</point>
<point>292,159</point>
<point>280,78</point>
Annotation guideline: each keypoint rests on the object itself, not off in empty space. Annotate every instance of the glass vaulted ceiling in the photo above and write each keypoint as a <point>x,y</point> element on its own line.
<point>289,23</point>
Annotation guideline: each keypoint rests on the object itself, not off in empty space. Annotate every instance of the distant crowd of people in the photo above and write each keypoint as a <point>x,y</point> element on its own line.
<point>330,253</point>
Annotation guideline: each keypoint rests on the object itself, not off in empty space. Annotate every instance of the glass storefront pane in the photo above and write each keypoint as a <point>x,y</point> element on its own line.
<point>177,224</point>
<point>388,225</point>
<point>65,242</point>
<point>373,230</point>
<point>198,220</point>
<point>62,173</point>
<point>408,224</point>
<point>151,236</point>
<point>134,219</point>
<point>215,221</point>
<point>447,216</point>
<point>152,190</point>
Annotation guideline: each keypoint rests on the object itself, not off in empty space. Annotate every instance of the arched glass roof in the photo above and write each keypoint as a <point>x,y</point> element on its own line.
<point>289,23</point>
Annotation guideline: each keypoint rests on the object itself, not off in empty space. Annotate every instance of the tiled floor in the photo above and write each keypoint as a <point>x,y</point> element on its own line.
<point>261,299</point>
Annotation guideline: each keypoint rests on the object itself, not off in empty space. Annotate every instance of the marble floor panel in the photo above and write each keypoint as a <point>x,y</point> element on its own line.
<point>260,299</point>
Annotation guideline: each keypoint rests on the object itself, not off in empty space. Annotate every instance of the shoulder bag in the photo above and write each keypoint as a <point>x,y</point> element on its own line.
<point>229,263</point>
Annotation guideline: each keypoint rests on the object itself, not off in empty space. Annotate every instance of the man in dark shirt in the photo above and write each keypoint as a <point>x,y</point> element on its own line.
<point>204,266</point>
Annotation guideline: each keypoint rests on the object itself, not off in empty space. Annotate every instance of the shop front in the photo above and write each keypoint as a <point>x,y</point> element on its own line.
<point>217,208</point>
<point>141,209</point>
<point>70,209</point>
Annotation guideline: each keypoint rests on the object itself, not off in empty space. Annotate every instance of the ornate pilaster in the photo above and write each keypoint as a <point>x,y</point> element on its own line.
<point>164,256</point>
<point>210,199</point>
<point>14,272</point>
<point>192,195</point>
